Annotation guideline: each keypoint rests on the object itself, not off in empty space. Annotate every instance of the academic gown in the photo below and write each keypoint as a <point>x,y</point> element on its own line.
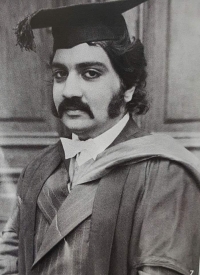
<point>144,213</point>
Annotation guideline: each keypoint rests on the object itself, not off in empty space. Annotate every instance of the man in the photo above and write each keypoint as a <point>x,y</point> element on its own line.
<point>114,199</point>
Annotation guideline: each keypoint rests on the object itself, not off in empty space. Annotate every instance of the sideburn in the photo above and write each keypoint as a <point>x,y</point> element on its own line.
<point>116,103</point>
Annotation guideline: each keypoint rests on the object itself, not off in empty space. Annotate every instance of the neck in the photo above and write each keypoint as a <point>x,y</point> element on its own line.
<point>97,132</point>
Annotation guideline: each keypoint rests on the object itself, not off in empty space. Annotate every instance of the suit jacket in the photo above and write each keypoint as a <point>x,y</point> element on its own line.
<point>141,215</point>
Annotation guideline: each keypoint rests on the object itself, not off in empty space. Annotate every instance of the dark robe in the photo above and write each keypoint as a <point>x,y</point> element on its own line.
<point>145,213</point>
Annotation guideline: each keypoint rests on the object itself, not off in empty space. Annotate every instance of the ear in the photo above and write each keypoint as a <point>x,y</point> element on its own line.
<point>129,94</point>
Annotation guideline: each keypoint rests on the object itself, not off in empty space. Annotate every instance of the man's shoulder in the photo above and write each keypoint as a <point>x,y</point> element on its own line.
<point>42,159</point>
<point>44,154</point>
<point>164,146</point>
<point>155,146</point>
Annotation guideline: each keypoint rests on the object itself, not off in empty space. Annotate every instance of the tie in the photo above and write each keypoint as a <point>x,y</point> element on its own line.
<point>73,147</point>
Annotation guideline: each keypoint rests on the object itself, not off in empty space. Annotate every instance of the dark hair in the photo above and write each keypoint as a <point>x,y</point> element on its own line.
<point>129,62</point>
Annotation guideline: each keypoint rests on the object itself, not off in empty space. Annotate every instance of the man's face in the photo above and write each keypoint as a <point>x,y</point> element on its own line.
<point>85,86</point>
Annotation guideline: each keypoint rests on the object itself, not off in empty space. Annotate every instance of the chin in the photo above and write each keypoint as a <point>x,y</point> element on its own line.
<point>78,126</point>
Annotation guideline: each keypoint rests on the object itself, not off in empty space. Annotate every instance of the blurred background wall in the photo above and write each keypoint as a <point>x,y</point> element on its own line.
<point>170,31</point>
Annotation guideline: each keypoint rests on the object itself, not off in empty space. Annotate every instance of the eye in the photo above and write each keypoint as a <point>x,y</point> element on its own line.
<point>91,74</point>
<point>59,75</point>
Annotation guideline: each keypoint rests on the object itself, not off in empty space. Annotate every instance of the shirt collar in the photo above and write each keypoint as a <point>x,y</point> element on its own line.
<point>105,139</point>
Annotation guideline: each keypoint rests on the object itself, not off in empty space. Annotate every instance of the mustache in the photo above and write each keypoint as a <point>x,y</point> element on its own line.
<point>74,103</point>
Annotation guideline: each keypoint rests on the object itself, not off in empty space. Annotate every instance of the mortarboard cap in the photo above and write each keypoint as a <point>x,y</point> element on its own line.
<point>76,24</point>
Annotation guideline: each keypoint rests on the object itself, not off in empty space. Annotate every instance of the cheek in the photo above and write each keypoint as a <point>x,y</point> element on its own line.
<point>107,96</point>
<point>99,101</point>
<point>100,93</point>
<point>56,94</point>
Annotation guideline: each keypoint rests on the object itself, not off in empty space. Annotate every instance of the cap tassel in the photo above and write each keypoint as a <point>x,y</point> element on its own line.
<point>24,33</point>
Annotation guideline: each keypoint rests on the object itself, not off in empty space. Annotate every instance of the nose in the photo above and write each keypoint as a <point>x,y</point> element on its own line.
<point>72,86</point>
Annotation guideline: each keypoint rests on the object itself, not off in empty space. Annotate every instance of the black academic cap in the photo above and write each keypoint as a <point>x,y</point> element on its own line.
<point>76,24</point>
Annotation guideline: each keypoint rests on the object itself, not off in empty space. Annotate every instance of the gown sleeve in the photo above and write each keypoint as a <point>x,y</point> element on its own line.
<point>170,229</point>
<point>9,242</point>
<point>151,270</point>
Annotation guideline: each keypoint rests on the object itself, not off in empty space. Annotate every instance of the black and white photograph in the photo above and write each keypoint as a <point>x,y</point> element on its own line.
<point>100,137</point>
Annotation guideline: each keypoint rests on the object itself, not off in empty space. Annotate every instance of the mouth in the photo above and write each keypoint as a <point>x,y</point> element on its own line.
<point>72,108</point>
<point>73,111</point>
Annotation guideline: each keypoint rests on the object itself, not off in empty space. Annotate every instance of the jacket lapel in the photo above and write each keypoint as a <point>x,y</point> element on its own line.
<point>104,218</point>
<point>75,209</point>
<point>131,130</point>
<point>49,163</point>
<point>53,193</point>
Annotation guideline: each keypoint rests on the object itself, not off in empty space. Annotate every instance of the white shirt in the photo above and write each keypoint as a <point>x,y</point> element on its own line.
<point>101,142</point>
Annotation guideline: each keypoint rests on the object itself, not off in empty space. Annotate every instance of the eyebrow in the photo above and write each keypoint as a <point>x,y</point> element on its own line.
<point>58,65</point>
<point>79,66</point>
<point>91,64</point>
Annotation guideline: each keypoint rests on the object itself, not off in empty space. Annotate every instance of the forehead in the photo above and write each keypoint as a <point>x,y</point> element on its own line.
<point>82,53</point>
